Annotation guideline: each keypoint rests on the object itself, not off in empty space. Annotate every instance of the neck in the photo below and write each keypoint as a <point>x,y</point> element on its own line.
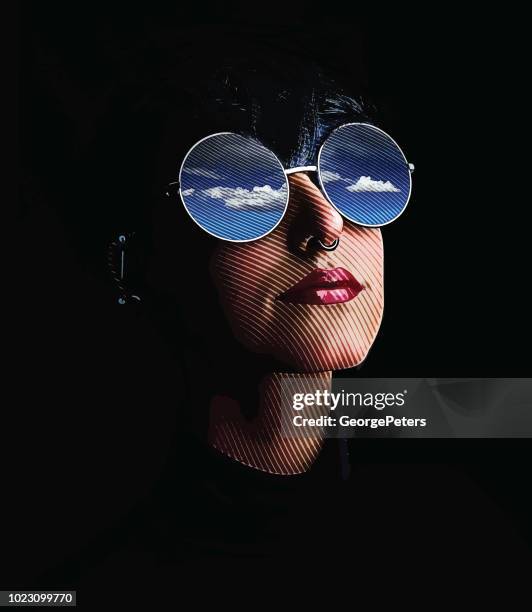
<point>261,442</point>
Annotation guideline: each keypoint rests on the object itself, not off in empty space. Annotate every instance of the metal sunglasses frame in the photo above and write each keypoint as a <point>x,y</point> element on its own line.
<point>294,170</point>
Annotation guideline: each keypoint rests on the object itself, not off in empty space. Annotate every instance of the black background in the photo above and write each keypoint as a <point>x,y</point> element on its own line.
<point>95,388</point>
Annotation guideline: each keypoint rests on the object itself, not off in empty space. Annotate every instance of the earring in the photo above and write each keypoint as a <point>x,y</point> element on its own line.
<point>116,259</point>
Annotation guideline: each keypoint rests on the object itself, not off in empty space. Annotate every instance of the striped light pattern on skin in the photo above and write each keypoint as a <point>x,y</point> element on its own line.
<point>307,338</point>
<point>263,443</point>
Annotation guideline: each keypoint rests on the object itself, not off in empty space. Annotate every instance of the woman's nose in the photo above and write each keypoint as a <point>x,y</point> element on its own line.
<point>313,214</point>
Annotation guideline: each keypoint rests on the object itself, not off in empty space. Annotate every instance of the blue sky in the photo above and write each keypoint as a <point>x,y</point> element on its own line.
<point>233,187</point>
<point>365,174</point>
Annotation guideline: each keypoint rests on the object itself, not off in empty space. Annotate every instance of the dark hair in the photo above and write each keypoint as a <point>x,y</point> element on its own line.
<point>287,103</point>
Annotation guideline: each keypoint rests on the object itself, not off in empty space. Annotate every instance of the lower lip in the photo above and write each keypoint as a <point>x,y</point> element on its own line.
<point>323,296</point>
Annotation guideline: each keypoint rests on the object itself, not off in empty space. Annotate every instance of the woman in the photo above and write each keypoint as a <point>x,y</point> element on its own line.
<point>247,327</point>
<point>277,313</point>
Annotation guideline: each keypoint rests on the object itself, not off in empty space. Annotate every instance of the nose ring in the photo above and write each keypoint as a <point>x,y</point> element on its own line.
<point>326,247</point>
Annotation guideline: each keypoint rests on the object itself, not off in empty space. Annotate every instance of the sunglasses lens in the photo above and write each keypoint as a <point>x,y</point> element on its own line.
<point>365,174</point>
<point>233,187</point>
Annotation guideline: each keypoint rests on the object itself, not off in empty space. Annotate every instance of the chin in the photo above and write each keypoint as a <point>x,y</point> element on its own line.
<point>308,358</point>
<point>319,351</point>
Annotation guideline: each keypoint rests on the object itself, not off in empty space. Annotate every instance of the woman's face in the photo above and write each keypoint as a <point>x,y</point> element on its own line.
<point>328,321</point>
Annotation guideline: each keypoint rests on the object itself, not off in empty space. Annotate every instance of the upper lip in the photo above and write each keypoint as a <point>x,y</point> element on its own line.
<point>336,278</point>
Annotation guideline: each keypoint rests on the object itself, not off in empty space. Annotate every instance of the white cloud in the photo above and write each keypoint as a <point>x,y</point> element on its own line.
<point>201,172</point>
<point>258,197</point>
<point>328,177</point>
<point>366,183</point>
<point>188,192</point>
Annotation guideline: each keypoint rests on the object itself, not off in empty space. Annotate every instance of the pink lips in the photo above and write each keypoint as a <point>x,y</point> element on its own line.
<point>323,287</point>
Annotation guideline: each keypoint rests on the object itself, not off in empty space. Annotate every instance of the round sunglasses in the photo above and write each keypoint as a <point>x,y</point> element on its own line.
<point>236,189</point>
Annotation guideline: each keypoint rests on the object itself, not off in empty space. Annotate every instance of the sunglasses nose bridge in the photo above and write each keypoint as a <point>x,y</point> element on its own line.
<point>289,171</point>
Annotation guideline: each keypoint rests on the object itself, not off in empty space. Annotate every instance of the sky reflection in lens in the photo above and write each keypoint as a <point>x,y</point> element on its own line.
<point>364,174</point>
<point>233,187</point>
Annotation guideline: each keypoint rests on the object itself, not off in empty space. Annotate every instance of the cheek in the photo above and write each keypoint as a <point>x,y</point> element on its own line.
<point>248,277</point>
<point>363,255</point>
<point>361,318</point>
